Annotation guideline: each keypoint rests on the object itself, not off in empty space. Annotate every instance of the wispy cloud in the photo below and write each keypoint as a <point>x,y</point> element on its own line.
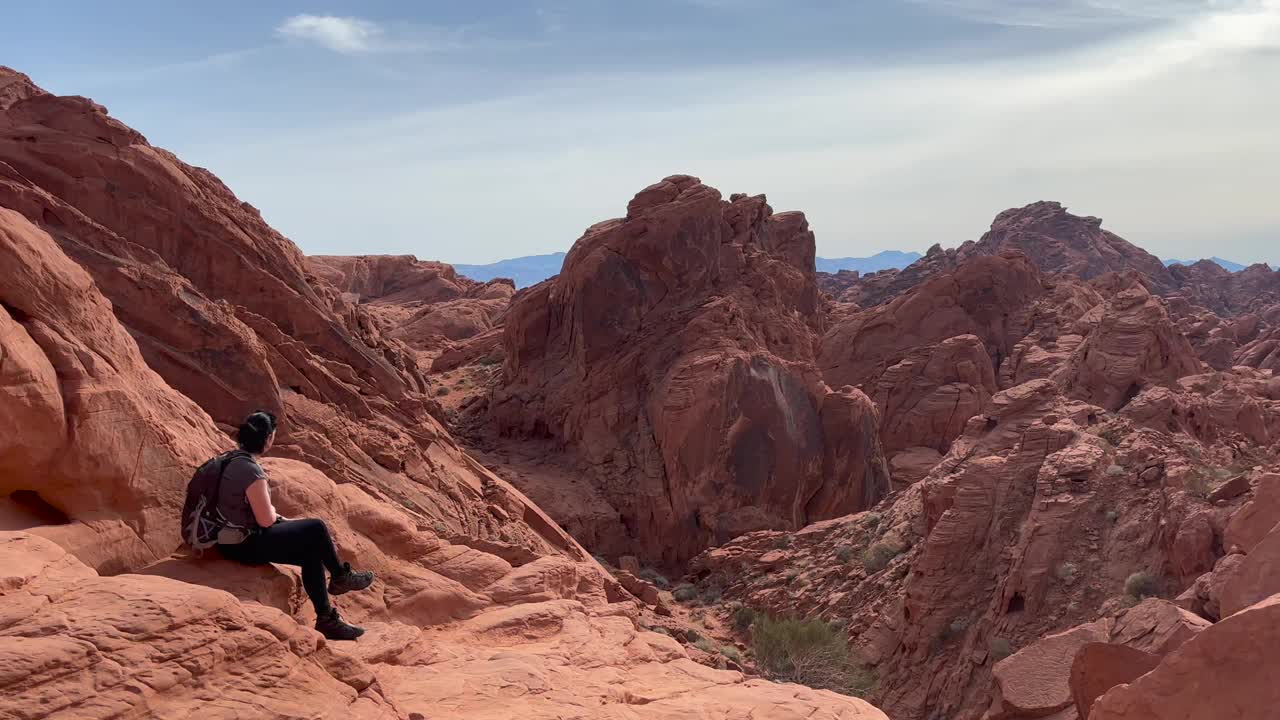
<point>340,34</point>
<point>1063,14</point>
<point>1166,131</point>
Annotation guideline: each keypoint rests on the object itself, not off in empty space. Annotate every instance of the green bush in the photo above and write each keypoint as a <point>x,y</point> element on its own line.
<point>442,391</point>
<point>743,617</point>
<point>844,554</point>
<point>711,594</point>
<point>1112,516</point>
<point>877,557</point>
<point>1067,572</point>
<point>782,542</point>
<point>871,521</point>
<point>655,577</point>
<point>684,592</point>
<point>1198,484</point>
<point>1140,585</point>
<point>693,635</point>
<point>732,653</point>
<point>999,649</point>
<point>809,652</point>
<point>707,645</point>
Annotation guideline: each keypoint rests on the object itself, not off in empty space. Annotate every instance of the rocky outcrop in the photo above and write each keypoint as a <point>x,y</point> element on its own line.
<point>426,305</point>
<point>1222,670</point>
<point>1133,346</point>
<point>674,356</point>
<point>226,311</point>
<point>93,443</point>
<point>1069,244</point>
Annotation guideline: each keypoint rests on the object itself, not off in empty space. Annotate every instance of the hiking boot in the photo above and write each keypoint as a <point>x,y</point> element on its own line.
<point>348,580</point>
<point>332,627</point>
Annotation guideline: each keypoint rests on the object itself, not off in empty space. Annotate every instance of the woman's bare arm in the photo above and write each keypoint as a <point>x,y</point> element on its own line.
<point>259,496</point>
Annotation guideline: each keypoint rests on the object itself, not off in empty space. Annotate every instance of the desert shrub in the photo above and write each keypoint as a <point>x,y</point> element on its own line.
<point>872,520</point>
<point>660,630</point>
<point>1114,471</point>
<point>1112,433</point>
<point>1067,572</point>
<point>955,629</point>
<point>710,594</point>
<point>844,554</point>
<point>732,653</point>
<point>693,635</point>
<point>791,574</point>
<point>439,527</point>
<point>999,649</point>
<point>1140,585</point>
<point>489,361</point>
<point>1112,516</point>
<point>707,645</point>
<point>782,542</point>
<point>684,592</point>
<point>655,577</point>
<point>1198,484</point>
<point>442,391</point>
<point>877,557</point>
<point>810,652</point>
<point>743,617</point>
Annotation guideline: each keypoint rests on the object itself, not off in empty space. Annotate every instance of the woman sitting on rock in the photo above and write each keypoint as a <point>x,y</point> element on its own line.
<point>244,499</point>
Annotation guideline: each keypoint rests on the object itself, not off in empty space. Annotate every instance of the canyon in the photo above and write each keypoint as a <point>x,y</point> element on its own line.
<point>1036,475</point>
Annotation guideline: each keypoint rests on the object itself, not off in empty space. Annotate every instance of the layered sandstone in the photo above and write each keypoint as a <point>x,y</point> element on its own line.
<point>674,357</point>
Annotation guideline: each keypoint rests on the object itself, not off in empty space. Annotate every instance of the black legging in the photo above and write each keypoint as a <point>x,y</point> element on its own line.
<point>305,543</point>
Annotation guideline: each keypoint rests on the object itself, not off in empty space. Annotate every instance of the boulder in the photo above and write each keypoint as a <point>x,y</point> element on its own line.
<point>1256,518</point>
<point>1036,680</point>
<point>1256,577</point>
<point>1225,671</point>
<point>1098,667</point>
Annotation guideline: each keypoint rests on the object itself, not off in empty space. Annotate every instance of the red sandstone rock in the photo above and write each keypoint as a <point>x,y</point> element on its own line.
<point>1225,671</point>
<point>674,356</point>
<point>86,428</point>
<point>1134,346</point>
<point>1252,522</point>
<point>1035,681</point>
<point>1256,578</point>
<point>1098,667</point>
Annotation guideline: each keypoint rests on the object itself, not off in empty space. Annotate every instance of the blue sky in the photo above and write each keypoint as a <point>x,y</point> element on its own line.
<point>475,131</point>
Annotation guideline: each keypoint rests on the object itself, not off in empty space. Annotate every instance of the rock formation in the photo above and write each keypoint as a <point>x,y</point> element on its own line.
<point>674,356</point>
<point>143,310</point>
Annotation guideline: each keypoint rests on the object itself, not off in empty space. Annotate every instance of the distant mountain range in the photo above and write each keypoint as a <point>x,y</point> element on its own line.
<point>886,260</point>
<point>533,269</point>
<point>525,271</point>
<point>1227,265</point>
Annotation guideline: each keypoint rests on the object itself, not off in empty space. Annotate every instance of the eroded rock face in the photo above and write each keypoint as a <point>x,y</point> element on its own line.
<point>87,430</point>
<point>227,312</point>
<point>1134,345</point>
<point>427,305</point>
<point>674,355</point>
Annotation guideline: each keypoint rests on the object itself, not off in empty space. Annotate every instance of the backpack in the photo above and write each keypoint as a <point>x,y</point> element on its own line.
<point>202,522</point>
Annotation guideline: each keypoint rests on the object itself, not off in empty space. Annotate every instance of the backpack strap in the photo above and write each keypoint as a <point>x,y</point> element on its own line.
<point>222,469</point>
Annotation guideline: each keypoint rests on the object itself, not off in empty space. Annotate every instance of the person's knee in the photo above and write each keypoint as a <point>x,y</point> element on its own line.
<point>316,528</point>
